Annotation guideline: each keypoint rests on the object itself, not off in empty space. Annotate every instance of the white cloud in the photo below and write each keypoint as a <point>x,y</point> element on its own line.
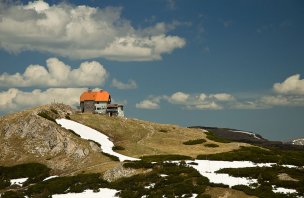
<point>179,98</point>
<point>222,97</point>
<point>292,85</point>
<point>147,104</point>
<point>57,74</point>
<point>82,32</point>
<point>152,102</point>
<point>205,106</point>
<point>282,100</point>
<point>190,101</point>
<point>200,101</point>
<point>131,84</point>
<point>288,94</point>
<point>15,99</point>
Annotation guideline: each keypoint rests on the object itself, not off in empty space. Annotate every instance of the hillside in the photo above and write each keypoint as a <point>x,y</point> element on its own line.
<point>34,136</point>
<point>28,137</point>
<point>53,150</point>
<point>140,137</point>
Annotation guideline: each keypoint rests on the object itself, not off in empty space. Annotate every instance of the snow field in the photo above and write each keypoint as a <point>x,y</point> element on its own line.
<point>92,134</point>
<point>208,168</point>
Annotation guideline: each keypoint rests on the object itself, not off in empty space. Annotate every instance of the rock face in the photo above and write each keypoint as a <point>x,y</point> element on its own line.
<point>118,172</point>
<point>32,135</point>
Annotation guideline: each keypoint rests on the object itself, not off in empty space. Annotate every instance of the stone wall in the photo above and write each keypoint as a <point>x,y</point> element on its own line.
<point>89,106</point>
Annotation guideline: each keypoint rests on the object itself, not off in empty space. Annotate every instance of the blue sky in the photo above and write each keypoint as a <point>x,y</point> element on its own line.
<point>235,64</point>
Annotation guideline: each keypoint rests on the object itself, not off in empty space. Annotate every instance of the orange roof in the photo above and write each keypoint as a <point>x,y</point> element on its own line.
<point>100,96</point>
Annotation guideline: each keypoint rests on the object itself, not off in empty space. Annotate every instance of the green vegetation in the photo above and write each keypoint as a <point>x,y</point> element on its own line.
<point>264,191</point>
<point>13,194</point>
<point>270,174</point>
<point>45,114</point>
<point>159,158</point>
<point>259,155</point>
<point>118,148</point>
<point>33,171</point>
<point>179,180</point>
<point>211,145</point>
<point>203,196</point>
<point>62,185</point>
<point>213,137</point>
<point>193,142</point>
<point>138,165</point>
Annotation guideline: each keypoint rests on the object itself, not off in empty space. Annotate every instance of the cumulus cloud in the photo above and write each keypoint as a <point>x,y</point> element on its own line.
<point>152,102</point>
<point>282,100</point>
<point>15,99</point>
<point>147,104</point>
<point>82,32</point>
<point>222,97</point>
<point>131,84</point>
<point>188,101</point>
<point>200,101</point>
<point>206,106</point>
<point>178,98</point>
<point>292,85</point>
<point>57,74</point>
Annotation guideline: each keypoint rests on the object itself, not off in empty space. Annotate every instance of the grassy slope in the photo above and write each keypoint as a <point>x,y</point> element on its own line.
<point>146,138</point>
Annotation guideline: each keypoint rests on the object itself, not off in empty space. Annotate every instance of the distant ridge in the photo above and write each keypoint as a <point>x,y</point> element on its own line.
<point>252,138</point>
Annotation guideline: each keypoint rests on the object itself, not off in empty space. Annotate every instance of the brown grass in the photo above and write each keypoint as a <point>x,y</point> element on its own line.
<point>147,138</point>
<point>217,192</point>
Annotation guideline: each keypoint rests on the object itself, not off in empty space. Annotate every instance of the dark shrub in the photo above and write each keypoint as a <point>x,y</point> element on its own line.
<point>193,142</point>
<point>54,111</point>
<point>117,148</point>
<point>212,136</point>
<point>46,115</point>
<point>112,157</point>
<point>211,145</point>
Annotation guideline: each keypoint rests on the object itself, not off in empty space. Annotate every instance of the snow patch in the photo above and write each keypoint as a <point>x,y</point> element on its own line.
<point>248,133</point>
<point>208,168</point>
<point>92,134</point>
<point>103,192</point>
<point>18,182</point>
<point>282,190</point>
<point>150,186</point>
<point>51,177</point>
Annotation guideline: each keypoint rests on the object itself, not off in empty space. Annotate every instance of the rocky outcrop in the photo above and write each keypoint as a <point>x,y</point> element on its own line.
<point>118,172</point>
<point>32,135</point>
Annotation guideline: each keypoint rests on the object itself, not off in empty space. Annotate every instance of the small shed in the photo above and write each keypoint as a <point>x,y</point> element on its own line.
<point>115,110</point>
